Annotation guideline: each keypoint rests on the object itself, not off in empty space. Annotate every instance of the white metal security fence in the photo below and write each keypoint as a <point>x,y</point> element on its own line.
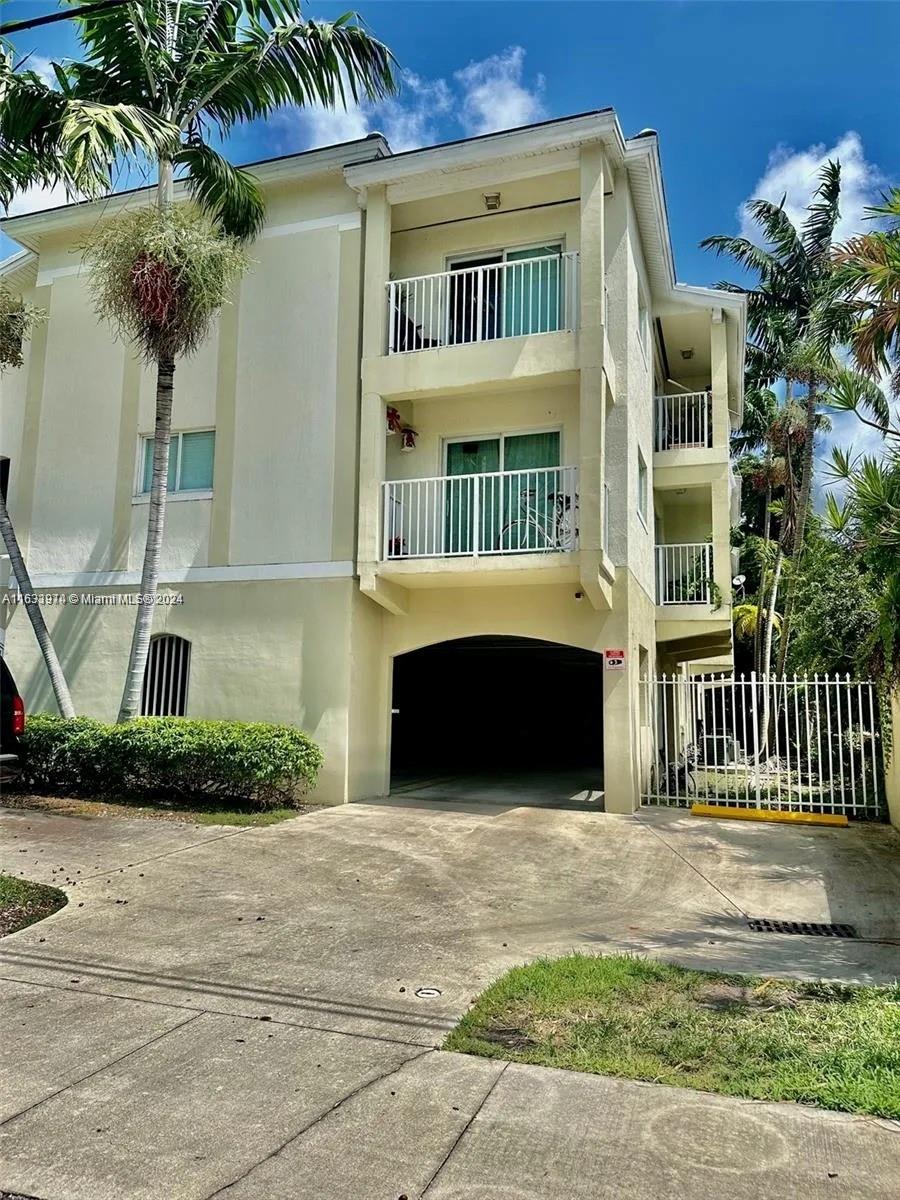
<point>497,512</point>
<point>483,303</point>
<point>684,422</point>
<point>792,744</point>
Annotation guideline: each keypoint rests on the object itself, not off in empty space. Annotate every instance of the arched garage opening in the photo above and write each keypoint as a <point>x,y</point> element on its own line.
<point>499,719</point>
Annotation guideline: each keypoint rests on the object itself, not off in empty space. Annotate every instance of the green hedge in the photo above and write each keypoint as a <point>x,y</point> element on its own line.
<point>169,758</point>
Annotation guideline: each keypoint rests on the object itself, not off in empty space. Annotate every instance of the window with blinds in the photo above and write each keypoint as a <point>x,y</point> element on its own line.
<point>191,457</point>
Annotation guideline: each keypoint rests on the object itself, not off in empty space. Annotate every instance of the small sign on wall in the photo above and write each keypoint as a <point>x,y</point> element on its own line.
<point>614,660</point>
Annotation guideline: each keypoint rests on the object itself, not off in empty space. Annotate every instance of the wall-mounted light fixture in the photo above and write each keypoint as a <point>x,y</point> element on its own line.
<point>491,201</point>
<point>688,354</point>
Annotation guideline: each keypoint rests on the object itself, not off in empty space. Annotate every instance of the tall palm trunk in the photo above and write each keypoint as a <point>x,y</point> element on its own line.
<point>156,516</point>
<point>761,597</point>
<point>800,521</point>
<point>38,624</point>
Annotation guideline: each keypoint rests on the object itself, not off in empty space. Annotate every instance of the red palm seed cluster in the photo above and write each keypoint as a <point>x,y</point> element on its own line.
<point>155,289</point>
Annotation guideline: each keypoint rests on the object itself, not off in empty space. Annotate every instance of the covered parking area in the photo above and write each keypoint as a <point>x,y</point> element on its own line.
<point>499,720</point>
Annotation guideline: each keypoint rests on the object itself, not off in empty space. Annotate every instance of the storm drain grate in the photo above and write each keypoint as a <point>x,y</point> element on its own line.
<point>809,928</point>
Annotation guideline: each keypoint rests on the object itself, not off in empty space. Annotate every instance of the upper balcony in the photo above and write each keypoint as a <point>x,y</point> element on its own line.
<point>515,294</point>
<point>490,318</point>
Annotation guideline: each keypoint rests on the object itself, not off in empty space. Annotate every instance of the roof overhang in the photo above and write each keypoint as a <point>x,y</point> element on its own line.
<point>511,153</point>
<point>19,271</point>
<point>29,228</point>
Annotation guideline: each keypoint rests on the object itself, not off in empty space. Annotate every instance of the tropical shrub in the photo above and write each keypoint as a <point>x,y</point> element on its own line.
<point>170,759</point>
<point>16,321</point>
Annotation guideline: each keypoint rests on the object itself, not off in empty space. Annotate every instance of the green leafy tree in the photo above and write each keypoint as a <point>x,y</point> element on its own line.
<point>836,608</point>
<point>793,270</point>
<point>203,66</point>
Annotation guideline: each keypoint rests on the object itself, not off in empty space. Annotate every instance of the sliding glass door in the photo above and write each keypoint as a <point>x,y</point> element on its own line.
<point>532,300</point>
<point>514,511</point>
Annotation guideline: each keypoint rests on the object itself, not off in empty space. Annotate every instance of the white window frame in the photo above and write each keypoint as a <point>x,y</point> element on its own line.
<point>176,494</point>
<point>643,497</point>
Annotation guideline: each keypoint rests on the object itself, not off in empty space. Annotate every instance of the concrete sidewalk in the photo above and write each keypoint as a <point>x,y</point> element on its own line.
<point>179,1048</point>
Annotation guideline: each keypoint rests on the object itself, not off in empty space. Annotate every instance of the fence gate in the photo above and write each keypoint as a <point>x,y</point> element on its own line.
<point>800,744</point>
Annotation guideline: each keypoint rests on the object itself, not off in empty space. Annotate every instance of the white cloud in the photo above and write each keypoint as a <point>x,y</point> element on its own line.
<point>42,67</point>
<point>36,198</point>
<point>483,97</point>
<point>794,175</point>
<point>495,96</point>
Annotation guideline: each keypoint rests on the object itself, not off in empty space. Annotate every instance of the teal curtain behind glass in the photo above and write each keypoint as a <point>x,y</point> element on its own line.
<point>532,302</point>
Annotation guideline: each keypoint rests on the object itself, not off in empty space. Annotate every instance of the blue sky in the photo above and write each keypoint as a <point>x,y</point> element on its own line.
<point>727,85</point>
<point>748,98</point>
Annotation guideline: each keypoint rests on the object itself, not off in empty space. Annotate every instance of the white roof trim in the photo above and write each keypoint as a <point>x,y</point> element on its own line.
<point>28,227</point>
<point>508,143</point>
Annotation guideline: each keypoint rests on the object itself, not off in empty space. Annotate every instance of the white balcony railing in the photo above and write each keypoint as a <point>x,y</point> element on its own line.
<point>684,573</point>
<point>484,303</point>
<point>684,422</point>
<point>501,512</point>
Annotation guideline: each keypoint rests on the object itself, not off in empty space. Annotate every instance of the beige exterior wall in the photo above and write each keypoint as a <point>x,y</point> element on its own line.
<point>289,609</point>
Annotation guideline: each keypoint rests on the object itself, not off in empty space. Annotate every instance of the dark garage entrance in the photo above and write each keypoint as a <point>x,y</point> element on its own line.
<point>500,720</point>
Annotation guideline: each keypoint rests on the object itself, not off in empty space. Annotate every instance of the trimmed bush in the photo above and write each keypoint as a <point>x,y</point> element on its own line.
<point>169,758</point>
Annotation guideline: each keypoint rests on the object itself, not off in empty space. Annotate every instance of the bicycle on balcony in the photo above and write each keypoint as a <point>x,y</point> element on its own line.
<point>546,521</point>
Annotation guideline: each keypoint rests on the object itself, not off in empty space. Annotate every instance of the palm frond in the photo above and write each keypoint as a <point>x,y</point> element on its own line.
<point>823,214</point>
<point>229,195</point>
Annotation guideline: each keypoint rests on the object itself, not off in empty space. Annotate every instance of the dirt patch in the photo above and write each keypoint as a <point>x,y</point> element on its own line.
<point>509,1039</point>
<point>72,806</point>
<point>735,995</point>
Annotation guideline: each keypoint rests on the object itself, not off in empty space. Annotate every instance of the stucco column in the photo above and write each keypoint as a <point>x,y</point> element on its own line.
<point>592,409</point>
<point>719,361</point>
<point>721,539</point>
<point>377,263</point>
<point>377,260</point>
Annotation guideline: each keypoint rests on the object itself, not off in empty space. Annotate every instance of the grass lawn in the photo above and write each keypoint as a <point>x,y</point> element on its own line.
<point>207,815</point>
<point>832,1045</point>
<point>22,903</point>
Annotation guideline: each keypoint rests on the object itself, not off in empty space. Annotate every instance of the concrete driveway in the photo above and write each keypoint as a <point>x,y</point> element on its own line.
<point>235,1012</point>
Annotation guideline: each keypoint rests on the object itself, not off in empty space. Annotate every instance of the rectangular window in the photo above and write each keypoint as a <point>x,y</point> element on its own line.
<point>191,458</point>
<point>642,488</point>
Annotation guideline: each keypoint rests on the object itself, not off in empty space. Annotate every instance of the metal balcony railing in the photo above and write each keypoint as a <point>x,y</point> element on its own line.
<point>483,303</point>
<point>684,573</point>
<point>500,512</point>
<point>684,422</point>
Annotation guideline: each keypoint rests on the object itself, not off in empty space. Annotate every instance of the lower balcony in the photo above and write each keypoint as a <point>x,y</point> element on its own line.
<point>481,528</point>
<point>684,574</point>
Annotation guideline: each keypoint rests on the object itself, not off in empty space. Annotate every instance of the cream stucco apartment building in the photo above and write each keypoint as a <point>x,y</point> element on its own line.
<point>485,587</point>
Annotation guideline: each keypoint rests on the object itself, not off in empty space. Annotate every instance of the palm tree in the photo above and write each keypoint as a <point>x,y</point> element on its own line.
<point>49,137</point>
<point>205,66</point>
<point>867,275</point>
<point>794,270</point>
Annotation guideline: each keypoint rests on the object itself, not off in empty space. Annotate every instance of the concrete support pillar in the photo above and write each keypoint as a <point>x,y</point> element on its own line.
<point>721,537</point>
<point>592,406</point>
<point>721,425</point>
<point>619,768</point>
<point>377,267</point>
<point>371,474</point>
